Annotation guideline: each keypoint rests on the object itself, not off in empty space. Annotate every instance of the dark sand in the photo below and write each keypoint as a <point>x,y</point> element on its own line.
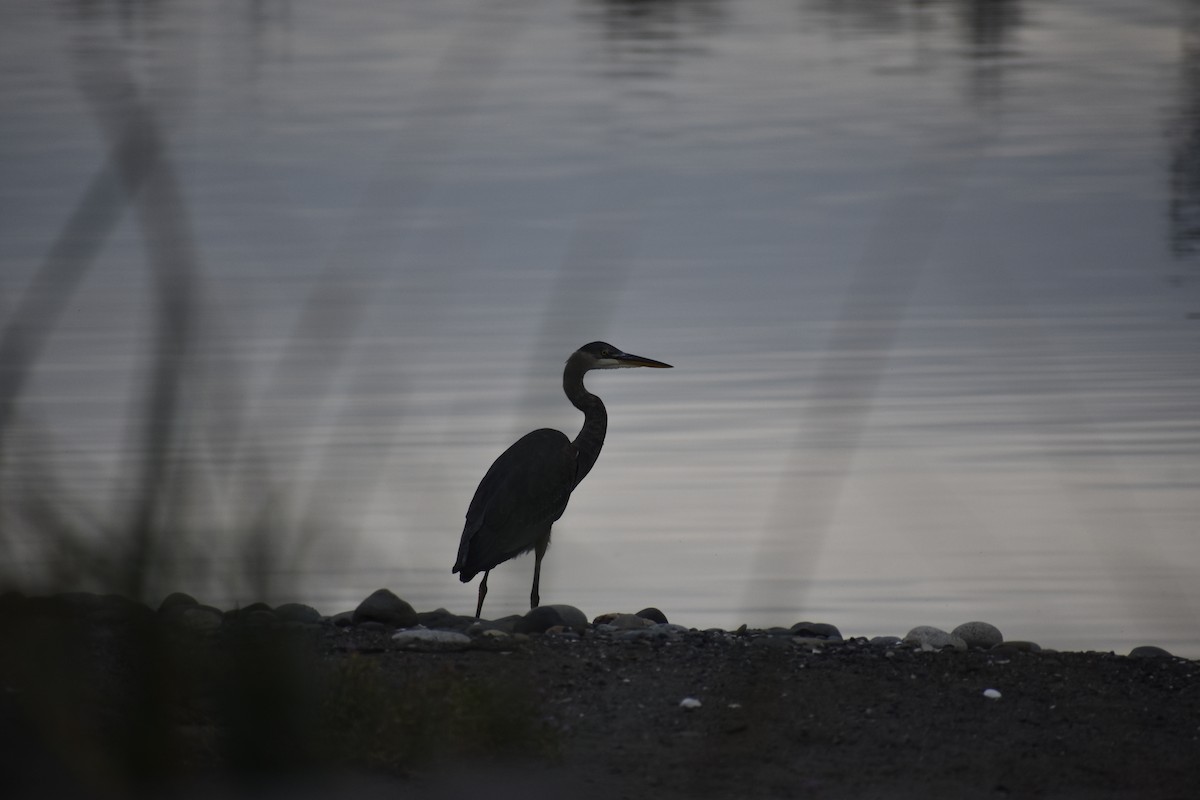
<point>125,708</point>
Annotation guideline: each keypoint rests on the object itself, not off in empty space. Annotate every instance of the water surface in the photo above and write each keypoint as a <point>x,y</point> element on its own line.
<point>927,273</point>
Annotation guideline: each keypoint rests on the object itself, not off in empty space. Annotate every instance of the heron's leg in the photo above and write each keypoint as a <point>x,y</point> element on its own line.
<point>538,552</point>
<point>482,593</point>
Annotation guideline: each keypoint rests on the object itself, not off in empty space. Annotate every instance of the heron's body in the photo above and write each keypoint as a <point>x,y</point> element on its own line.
<point>527,488</point>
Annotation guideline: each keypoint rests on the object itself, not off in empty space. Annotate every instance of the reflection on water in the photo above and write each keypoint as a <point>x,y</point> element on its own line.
<point>280,281</point>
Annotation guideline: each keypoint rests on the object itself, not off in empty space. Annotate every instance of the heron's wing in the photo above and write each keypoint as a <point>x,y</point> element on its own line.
<point>519,498</point>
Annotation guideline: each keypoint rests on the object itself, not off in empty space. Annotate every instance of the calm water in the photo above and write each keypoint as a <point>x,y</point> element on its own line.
<point>929,274</point>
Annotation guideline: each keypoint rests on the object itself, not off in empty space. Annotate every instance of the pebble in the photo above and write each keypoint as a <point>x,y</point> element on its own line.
<point>176,599</point>
<point>1148,651</point>
<point>885,641</point>
<point>689,704</point>
<point>817,630</point>
<point>246,611</point>
<point>928,637</point>
<point>1017,647</point>
<point>572,617</point>
<point>623,622</point>
<point>538,620</point>
<point>653,614</point>
<point>992,694</point>
<point>978,634</point>
<point>437,640</point>
<point>202,619</point>
<point>298,612</point>
<point>385,608</point>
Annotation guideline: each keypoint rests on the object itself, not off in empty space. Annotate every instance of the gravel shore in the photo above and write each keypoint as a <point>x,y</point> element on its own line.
<point>108,698</point>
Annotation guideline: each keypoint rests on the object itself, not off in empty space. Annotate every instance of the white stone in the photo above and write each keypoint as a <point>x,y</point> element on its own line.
<point>991,694</point>
<point>689,703</point>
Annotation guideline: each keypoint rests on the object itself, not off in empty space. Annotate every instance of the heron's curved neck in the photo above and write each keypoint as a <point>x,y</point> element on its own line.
<point>595,418</point>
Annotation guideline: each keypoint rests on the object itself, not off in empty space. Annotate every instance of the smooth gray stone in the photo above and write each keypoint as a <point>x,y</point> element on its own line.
<point>539,620</point>
<point>572,617</point>
<point>1148,651</point>
<point>623,622</point>
<point>817,630</point>
<point>445,620</point>
<point>202,619</point>
<point>386,608</point>
<point>928,637</point>
<point>176,599</point>
<point>653,614</point>
<point>978,634</point>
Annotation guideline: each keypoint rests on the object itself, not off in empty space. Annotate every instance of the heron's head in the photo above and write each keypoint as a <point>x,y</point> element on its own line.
<point>602,355</point>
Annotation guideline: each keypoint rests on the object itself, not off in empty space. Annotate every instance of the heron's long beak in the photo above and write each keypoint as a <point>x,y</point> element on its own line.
<point>630,360</point>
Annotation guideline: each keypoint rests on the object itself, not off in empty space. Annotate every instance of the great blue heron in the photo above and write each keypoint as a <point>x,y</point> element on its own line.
<point>527,488</point>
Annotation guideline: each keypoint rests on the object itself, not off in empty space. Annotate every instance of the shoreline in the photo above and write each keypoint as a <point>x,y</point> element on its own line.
<point>106,697</point>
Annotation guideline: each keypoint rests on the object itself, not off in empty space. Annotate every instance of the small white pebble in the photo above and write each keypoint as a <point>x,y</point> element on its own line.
<point>991,694</point>
<point>735,705</point>
<point>689,703</point>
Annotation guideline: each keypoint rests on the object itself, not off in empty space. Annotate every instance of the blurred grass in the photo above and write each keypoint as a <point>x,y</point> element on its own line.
<point>103,696</point>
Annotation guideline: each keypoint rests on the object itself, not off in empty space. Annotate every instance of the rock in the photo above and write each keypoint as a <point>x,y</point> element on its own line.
<point>885,641</point>
<point>978,634</point>
<point>928,637</point>
<point>1148,651</point>
<point>817,630</point>
<point>572,617</point>
<point>538,620</point>
<point>386,608</point>
<point>434,640</point>
<point>992,694</point>
<point>176,599</point>
<point>258,617</point>
<point>298,612</point>
<point>689,704</point>
<point>342,619</point>
<point>623,622</point>
<point>1016,647</point>
<point>653,614</point>
<point>198,618</point>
